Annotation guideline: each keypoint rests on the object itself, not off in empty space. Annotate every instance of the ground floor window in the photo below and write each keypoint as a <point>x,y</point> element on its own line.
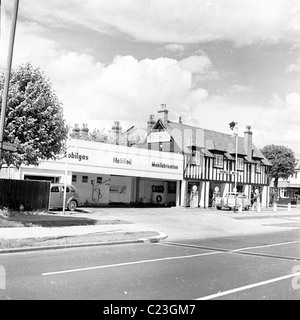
<point>42,178</point>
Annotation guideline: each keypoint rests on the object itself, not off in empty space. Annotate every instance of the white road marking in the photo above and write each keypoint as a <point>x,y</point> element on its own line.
<point>129,263</point>
<point>250,286</point>
<point>174,244</point>
<point>267,245</point>
<point>221,251</point>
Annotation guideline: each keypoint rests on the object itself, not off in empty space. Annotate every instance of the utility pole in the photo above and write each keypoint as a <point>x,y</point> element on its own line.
<point>7,73</point>
<point>66,173</point>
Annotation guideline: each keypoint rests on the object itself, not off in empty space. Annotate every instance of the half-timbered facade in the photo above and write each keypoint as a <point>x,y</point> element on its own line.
<point>211,159</point>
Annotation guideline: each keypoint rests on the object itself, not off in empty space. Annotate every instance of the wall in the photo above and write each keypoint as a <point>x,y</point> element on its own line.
<point>120,189</point>
<point>33,195</point>
<point>94,190</point>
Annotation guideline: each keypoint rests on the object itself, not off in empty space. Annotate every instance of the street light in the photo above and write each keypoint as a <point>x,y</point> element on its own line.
<point>234,127</point>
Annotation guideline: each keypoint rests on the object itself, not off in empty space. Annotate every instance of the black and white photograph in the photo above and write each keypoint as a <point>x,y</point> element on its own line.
<point>149,153</point>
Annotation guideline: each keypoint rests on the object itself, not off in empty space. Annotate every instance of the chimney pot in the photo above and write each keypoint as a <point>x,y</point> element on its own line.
<point>85,128</point>
<point>76,128</point>
<point>165,113</point>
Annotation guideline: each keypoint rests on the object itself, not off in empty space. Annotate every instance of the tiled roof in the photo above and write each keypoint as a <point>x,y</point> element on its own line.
<point>223,142</point>
<point>185,136</point>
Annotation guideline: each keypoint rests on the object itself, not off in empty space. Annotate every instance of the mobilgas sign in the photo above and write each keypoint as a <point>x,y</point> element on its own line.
<point>78,156</point>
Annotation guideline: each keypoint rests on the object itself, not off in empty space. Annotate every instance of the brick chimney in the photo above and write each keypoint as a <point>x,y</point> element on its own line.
<point>85,128</point>
<point>163,113</point>
<point>248,142</point>
<point>76,128</point>
<point>116,128</point>
<point>150,123</point>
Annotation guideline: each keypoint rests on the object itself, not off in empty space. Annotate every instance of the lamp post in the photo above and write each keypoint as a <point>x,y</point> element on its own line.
<point>236,159</point>
<point>234,127</point>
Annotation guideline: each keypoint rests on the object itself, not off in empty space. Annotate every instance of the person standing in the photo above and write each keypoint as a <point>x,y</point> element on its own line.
<point>215,197</point>
<point>256,199</point>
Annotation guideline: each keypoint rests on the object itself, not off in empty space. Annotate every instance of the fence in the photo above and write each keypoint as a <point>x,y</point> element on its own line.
<point>32,195</point>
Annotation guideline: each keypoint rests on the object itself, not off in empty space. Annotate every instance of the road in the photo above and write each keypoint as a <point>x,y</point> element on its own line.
<point>241,267</point>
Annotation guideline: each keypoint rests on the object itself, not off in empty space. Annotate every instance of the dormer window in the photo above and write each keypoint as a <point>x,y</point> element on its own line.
<point>258,167</point>
<point>195,157</point>
<point>240,164</point>
<point>219,161</point>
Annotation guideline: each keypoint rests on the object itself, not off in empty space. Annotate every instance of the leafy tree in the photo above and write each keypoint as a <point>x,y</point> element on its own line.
<point>34,118</point>
<point>283,162</point>
<point>108,137</point>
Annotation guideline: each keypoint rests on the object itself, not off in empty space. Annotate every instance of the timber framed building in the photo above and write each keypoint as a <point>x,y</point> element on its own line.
<point>210,160</point>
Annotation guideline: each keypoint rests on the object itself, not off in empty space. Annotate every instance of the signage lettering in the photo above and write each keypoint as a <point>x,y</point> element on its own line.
<point>164,166</point>
<point>162,136</point>
<point>78,156</point>
<point>2,278</point>
<point>122,160</point>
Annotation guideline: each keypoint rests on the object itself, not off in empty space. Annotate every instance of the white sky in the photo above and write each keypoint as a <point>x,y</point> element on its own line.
<point>211,62</point>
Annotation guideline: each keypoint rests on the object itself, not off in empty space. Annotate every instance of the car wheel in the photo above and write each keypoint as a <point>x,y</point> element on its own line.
<point>72,206</point>
<point>219,208</point>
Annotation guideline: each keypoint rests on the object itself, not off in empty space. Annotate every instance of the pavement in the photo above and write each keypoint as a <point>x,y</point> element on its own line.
<point>172,224</point>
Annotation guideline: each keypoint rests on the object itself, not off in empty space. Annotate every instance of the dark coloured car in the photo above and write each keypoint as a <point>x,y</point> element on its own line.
<point>57,197</point>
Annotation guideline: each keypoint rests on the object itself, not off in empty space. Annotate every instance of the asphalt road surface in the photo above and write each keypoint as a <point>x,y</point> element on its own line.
<point>265,266</point>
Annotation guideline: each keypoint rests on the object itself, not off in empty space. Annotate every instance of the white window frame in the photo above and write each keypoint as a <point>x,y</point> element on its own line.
<point>283,193</point>
<point>240,164</point>
<point>219,161</point>
<point>258,167</point>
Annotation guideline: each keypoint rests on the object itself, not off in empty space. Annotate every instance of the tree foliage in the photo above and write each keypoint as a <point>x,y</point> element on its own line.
<point>107,137</point>
<point>34,117</point>
<point>96,136</point>
<point>283,162</point>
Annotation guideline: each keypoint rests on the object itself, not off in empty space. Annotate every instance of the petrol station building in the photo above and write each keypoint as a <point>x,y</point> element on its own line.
<point>106,174</point>
<point>174,160</point>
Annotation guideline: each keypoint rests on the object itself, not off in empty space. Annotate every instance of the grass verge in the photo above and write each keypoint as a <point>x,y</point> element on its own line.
<point>49,221</point>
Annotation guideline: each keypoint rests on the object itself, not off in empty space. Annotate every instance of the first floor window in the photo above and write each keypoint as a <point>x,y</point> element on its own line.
<point>219,161</point>
<point>240,164</point>
<point>258,167</point>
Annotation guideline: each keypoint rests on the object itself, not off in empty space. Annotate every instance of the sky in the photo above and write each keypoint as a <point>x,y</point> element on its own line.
<point>210,61</point>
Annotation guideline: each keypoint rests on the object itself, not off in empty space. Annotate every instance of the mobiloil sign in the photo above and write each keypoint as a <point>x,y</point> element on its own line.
<point>122,161</point>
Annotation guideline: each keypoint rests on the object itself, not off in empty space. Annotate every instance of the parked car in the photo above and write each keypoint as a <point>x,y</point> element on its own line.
<point>57,197</point>
<point>233,200</point>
